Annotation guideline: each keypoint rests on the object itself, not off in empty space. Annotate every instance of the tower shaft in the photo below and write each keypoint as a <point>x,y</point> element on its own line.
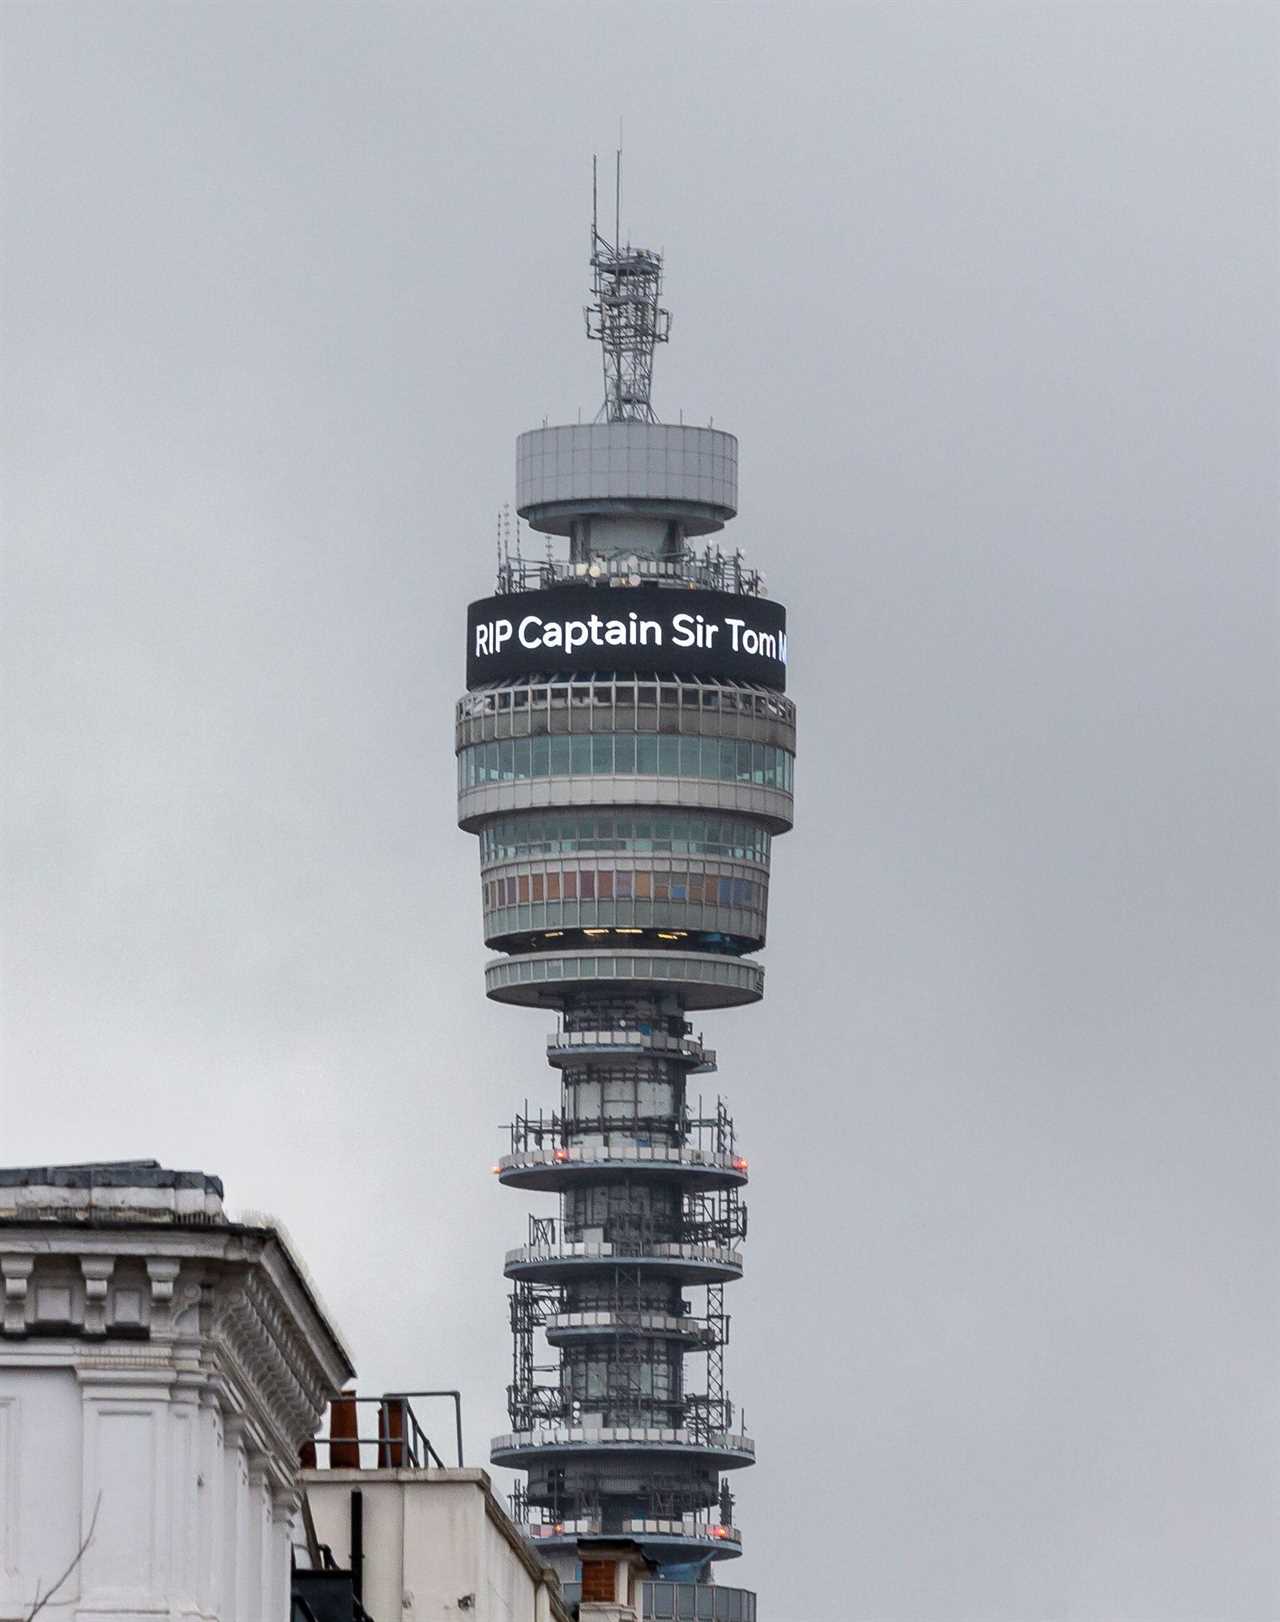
<point>625,757</point>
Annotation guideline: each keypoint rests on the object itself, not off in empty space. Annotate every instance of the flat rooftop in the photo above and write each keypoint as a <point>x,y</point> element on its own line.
<point>109,1190</point>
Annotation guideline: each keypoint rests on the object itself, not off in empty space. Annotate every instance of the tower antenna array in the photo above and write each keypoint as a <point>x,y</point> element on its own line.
<point>626,318</point>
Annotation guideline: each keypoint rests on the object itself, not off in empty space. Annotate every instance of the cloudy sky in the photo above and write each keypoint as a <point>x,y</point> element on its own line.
<point>989,295</point>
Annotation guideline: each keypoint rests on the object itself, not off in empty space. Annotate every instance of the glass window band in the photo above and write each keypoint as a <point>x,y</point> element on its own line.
<point>724,760</point>
<point>518,838</point>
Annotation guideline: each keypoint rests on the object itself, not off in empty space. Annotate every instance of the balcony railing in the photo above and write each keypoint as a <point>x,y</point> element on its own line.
<point>709,569</point>
<point>600,1152</point>
<point>631,1039</point>
<point>705,1331</point>
<point>557,1436</point>
<point>603,1250</point>
<point>381,1433</point>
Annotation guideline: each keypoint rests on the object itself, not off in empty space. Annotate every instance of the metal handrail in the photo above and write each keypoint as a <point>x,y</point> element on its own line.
<point>456,1397</point>
<point>401,1440</point>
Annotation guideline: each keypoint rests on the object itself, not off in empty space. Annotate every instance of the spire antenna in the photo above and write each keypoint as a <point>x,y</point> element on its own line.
<point>626,318</point>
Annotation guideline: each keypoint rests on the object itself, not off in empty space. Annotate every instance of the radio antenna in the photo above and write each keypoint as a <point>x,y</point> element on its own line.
<point>626,318</point>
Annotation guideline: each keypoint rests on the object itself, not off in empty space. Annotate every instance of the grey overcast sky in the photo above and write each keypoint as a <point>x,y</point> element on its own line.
<point>989,295</point>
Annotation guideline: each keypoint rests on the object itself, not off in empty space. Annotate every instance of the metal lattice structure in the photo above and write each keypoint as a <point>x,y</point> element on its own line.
<point>625,823</point>
<point>625,317</point>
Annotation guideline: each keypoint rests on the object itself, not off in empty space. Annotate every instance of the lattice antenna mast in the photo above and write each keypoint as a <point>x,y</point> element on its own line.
<point>626,318</point>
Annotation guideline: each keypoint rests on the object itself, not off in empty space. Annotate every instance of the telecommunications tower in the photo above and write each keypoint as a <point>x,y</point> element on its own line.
<point>625,751</point>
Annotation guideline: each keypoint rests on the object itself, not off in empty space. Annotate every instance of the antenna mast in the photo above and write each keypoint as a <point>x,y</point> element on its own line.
<point>626,318</point>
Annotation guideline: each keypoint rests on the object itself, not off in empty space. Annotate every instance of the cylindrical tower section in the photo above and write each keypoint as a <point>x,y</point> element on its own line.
<point>626,758</point>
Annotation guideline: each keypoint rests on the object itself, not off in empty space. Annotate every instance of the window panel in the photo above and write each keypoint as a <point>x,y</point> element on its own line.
<point>668,755</point>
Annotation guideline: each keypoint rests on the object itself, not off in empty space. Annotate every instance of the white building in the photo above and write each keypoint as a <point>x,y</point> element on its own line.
<point>429,1544</point>
<point>160,1367</point>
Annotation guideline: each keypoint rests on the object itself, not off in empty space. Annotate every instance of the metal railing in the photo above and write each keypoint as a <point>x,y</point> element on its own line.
<point>399,1442</point>
<point>710,569</point>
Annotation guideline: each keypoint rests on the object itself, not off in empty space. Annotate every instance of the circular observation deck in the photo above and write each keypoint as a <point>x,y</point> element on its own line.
<point>700,979</point>
<point>561,1263</point>
<point>549,1170</point>
<point>666,1543</point>
<point>579,1328</point>
<point>614,469</point>
<point>770,805</point>
<point>623,1041</point>
<point>532,1450</point>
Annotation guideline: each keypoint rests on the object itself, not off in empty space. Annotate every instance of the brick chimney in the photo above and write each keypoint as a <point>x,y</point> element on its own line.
<point>611,1578</point>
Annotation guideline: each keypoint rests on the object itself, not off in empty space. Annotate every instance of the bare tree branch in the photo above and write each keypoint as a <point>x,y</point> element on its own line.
<point>75,1561</point>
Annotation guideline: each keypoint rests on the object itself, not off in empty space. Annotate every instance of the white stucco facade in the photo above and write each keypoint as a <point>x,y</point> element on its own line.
<point>159,1368</point>
<point>436,1544</point>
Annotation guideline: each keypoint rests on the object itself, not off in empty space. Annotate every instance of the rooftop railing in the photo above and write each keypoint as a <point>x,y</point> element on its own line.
<point>711,570</point>
<point>379,1433</point>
